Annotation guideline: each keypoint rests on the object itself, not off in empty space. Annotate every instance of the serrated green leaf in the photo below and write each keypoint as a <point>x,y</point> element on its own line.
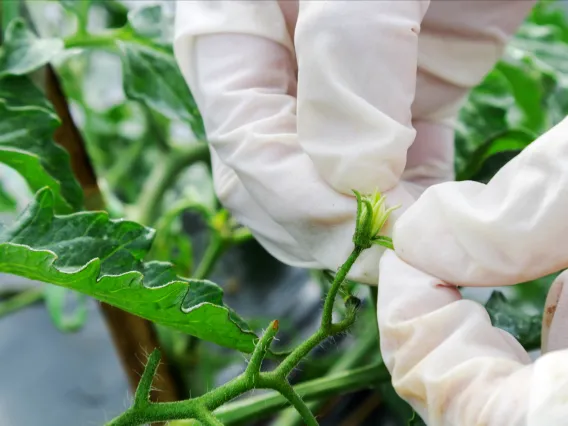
<point>27,147</point>
<point>102,258</point>
<point>153,78</point>
<point>522,326</point>
<point>22,52</point>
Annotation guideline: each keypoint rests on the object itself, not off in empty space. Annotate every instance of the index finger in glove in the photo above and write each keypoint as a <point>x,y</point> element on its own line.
<point>356,85</point>
<point>452,366</point>
<point>243,78</point>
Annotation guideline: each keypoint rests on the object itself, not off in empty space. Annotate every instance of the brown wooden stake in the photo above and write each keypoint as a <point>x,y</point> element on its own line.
<point>134,337</point>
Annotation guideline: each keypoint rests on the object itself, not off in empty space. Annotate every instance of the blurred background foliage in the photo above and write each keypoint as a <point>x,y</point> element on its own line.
<point>136,115</point>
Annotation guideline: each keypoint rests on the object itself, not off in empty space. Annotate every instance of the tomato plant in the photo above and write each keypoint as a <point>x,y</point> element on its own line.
<point>101,176</point>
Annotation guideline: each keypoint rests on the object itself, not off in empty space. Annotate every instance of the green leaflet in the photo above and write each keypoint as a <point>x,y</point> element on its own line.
<point>529,87</point>
<point>494,153</point>
<point>26,145</point>
<point>153,78</point>
<point>524,327</point>
<point>22,52</point>
<point>102,258</point>
<point>483,115</point>
<point>148,22</point>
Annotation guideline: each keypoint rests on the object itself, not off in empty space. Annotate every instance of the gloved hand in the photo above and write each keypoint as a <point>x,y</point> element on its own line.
<point>454,368</point>
<point>514,229</point>
<point>446,359</point>
<point>304,103</point>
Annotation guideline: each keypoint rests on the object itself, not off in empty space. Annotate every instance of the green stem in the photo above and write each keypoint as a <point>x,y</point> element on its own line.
<point>256,407</point>
<point>327,328</point>
<point>178,208</point>
<point>288,392</point>
<point>142,395</point>
<point>155,130</point>
<point>292,360</point>
<point>162,177</point>
<point>260,350</point>
<point>337,281</point>
<point>241,235</point>
<point>206,418</point>
<point>121,169</point>
<point>374,297</point>
<point>213,252</point>
<point>21,300</point>
<point>336,377</point>
<point>106,40</point>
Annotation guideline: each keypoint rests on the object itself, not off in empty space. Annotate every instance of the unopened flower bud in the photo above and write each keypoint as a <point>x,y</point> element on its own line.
<point>372,214</point>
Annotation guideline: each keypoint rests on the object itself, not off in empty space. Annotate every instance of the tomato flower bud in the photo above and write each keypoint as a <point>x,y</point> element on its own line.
<point>372,214</point>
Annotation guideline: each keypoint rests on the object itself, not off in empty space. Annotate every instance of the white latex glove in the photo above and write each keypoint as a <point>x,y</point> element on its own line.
<point>513,229</point>
<point>303,103</point>
<point>454,368</point>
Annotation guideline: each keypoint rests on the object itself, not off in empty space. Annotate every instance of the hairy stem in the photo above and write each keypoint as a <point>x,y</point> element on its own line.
<point>206,418</point>
<point>337,379</point>
<point>142,395</point>
<point>294,358</point>
<point>260,350</point>
<point>327,328</point>
<point>326,319</point>
<point>288,392</point>
<point>256,407</point>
